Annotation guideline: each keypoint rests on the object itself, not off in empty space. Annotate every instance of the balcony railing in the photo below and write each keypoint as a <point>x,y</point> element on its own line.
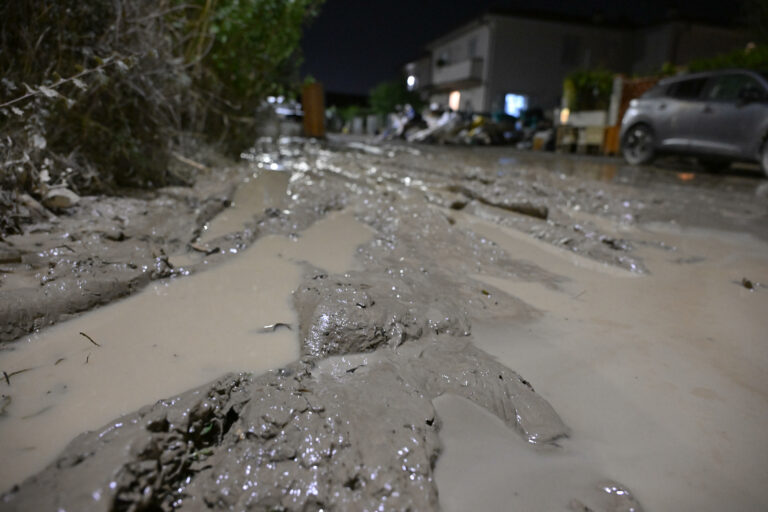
<point>463,72</point>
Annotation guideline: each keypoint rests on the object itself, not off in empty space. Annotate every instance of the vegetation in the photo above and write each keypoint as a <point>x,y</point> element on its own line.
<point>588,89</point>
<point>94,95</point>
<point>753,57</point>
<point>387,96</point>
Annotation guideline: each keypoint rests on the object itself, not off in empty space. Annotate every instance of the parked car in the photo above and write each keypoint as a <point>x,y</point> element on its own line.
<point>719,117</point>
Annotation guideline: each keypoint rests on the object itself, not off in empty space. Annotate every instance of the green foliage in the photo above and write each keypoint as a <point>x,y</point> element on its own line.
<point>350,112</point>
<point>387,96</point>
<point>104,93</point>
<point>588,89</point>
<point>751,58</point>
<point>668,69</point>
<point>253,40</point>
<point>240,51</point>
<point>95,93</point>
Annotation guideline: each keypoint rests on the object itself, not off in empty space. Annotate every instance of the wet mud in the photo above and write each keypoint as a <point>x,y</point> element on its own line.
<point>440,274</point>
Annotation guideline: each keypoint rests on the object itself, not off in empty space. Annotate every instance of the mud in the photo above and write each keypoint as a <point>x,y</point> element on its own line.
<point>463,246</point>
<point>191,331</point>
<point>103,249</point>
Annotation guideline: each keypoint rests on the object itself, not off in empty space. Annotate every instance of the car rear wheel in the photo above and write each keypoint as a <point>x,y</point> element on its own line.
<point>638,146</point>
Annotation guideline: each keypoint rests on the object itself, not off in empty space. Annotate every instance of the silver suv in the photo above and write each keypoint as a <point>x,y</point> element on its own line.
<point>720,117</point>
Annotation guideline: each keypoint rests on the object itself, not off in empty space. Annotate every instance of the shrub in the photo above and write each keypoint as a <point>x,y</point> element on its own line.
<point>753,57</point>
<point>588,89</point>
<point>95,93</point>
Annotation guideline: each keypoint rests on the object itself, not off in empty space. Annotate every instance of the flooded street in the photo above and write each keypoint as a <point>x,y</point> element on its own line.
<point>365,325</point>
<point>661,377</point>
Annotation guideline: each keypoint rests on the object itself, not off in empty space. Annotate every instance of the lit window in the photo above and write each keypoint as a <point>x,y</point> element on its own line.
<point>514,104</point>
<point>454,100</point>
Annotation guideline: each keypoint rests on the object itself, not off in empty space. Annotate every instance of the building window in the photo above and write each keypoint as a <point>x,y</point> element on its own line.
<point>514,104</point>
<point>454,100</point>
<point>443,60</point>
<point>472,48</point>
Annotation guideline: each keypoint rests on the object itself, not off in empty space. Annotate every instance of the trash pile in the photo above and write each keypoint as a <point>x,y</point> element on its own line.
<point>532,130</point>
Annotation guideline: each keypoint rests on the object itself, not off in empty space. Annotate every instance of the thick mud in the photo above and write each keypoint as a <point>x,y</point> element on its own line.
<point>398,322</point>
<point>234,317</point>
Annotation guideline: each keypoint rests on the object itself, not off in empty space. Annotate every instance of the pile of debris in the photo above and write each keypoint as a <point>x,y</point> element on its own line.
<point>445,126</point>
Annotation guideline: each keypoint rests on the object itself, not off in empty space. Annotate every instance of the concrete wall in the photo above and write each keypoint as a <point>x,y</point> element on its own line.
<point>421,69</point>
<point>472,99</point>
<point>701,41</point>
<point>680,43</point>
<point>532,57</point>
<point>653,47</point>
<point>467,45</point>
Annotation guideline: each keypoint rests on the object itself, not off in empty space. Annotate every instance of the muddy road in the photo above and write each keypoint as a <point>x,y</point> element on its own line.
<point>349,326</point>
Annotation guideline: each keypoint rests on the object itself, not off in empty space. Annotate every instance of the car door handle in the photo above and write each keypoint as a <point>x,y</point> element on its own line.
<point>663,106</point>
<point>707,110</point>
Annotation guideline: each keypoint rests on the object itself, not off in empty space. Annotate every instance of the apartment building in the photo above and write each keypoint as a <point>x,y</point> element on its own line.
<point>504,62</point>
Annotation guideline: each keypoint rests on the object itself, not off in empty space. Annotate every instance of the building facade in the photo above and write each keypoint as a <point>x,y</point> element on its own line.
<point>501,62</point>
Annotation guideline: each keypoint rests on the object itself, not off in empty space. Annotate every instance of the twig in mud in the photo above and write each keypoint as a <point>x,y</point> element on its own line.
<point>274,327</point>
<point>5,401</point>
<point>7,378</point>
<point>18,372</point>
<point>90,339</point>
<point>38,413</point>
<point>87,358</point>
<point>204,250</point>
<point>190,162</point>
<point>58,361</point>
<point>579,295</point>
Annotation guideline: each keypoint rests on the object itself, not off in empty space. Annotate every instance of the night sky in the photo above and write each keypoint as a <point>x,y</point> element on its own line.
<point>355,44</point>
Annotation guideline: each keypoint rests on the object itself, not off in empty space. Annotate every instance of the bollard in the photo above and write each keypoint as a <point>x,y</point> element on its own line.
<point>313,104</point>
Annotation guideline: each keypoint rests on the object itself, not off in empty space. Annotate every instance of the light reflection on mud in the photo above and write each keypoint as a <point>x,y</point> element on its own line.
<point>662,378</point>
<point>171,337</point>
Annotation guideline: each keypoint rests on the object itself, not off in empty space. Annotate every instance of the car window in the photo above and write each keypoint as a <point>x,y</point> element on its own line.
<point>687,89</point>
<point>654,92</point>
<point>727,87</point>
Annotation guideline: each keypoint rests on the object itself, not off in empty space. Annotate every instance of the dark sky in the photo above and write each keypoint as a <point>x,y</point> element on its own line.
<point>355,44</point>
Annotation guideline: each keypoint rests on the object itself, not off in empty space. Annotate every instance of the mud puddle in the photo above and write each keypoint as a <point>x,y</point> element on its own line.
<point>171,337</point>
<point>262,190</point>
<point>661,377</point>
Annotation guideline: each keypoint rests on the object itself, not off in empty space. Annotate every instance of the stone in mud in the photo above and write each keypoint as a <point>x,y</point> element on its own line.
<point>359,313</point>
<point>608,496</point>
<point>35,209</point>
<point>60,198</point>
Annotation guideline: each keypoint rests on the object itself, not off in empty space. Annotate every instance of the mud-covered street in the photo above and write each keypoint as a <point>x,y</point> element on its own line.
<point>348,325</point>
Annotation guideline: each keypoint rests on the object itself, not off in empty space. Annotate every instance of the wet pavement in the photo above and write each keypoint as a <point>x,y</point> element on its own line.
<point>404,302</point>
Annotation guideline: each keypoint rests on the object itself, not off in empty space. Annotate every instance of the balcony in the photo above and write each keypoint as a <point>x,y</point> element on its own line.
<point>460,74</point>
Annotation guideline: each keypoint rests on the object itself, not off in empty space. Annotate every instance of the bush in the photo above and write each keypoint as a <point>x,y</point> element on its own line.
<point>387,96</point>
<point>105,94</point>
<point>95,93</point>
<point>588,90</point>
<point>755,57</point>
